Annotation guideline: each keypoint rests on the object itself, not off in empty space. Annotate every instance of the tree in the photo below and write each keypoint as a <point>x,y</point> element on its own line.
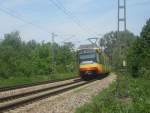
<point>139,54</point>
<point>19,58</point>
<point>9,55</point>
<point>116,47</point>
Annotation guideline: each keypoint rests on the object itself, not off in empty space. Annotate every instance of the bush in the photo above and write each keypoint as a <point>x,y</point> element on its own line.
<point>18,58</point>
<point>107,102</point>
<point>139,54</point>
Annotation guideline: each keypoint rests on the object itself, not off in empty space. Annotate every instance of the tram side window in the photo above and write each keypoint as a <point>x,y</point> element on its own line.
<point>101,58</point>
<point>98,57</point>
<point>104,60</point>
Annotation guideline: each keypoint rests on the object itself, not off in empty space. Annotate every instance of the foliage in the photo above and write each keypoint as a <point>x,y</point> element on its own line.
<point>106,102</point>
<point>136,50</point>
<point>25,59</point>
<point>116,46</point>
<point>139,54</point>
<point>33,79</point>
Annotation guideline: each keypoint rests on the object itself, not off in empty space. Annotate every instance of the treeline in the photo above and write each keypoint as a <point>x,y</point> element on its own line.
<point>19,58</point>
<point>116,47</point>
<point>139,54</point>
<point>133,94</point>
<point>135,50</point>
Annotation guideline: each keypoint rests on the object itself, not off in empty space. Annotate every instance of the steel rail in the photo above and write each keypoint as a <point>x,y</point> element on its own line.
<point>20,101</point>
<point>7,88</point>
<point>18,95</point>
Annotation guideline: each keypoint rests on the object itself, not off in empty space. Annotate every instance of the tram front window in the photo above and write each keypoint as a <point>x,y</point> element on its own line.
<point>87,58</point>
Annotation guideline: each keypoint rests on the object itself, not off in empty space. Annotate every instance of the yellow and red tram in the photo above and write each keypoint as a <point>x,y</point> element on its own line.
<point>92,62</point>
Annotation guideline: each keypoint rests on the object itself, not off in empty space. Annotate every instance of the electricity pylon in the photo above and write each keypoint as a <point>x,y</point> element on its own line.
<point>121,27</point>
<point>121,15</point>
<point>53,52</point>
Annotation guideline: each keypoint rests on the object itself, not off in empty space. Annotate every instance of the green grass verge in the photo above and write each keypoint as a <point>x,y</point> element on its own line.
<point>106,102</point>
<point>34,78</point>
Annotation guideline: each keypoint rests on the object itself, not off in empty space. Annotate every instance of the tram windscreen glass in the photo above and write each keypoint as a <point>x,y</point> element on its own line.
<point>87,55</point>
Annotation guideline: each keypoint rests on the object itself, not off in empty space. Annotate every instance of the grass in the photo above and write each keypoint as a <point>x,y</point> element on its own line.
<point>106,101</point>
<point>34,78</point>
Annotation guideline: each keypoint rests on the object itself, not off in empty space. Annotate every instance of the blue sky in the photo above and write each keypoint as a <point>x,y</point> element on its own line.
<point>96,17</point>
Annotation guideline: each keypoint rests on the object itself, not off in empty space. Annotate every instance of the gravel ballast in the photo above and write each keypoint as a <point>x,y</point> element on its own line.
<point>68,101</point>
<point>29,89</point>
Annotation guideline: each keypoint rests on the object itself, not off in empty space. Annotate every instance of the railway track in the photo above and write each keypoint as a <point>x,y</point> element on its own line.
<point>18,99</point>
<point>7,88</point>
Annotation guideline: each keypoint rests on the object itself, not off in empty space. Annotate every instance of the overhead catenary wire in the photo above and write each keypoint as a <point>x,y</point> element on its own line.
<point>74,19</point>
<point>58,4</point>
<point>19,17</point>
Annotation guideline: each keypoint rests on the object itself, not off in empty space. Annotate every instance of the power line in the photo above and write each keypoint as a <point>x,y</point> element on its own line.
<point>8,12</point>
<point>75,17</point>
<point>19,16</point>
<point>60,6</point>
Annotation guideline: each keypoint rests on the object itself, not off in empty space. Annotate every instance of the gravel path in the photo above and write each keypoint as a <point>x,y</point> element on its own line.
<point>66,102</point>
